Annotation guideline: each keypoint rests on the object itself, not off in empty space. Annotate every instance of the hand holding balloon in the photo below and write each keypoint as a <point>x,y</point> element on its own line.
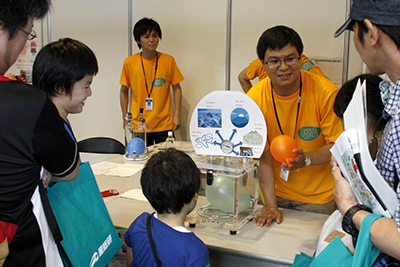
<point>282,148</point>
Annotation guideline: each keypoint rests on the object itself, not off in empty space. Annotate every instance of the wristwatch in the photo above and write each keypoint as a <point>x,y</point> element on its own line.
<point>307,161</point>
<point>347,222</point>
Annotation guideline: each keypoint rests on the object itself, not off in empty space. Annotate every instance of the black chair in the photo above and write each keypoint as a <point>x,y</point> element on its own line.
<point>103,145</point>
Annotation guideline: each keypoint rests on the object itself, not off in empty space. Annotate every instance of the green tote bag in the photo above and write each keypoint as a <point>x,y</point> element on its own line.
<point>337,254</point>
<point>89,236</point>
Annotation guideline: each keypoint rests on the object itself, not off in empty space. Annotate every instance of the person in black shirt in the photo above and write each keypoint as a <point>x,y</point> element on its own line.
<point>32,138</point>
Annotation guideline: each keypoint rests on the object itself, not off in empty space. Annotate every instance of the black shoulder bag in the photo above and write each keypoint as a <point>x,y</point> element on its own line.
<point>152,245</point>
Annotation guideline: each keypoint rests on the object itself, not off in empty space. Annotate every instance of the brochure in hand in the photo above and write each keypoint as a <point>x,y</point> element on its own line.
<point>353,157</point>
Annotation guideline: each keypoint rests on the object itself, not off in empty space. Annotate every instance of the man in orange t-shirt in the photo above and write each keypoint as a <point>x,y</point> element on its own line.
<point>255,69</point>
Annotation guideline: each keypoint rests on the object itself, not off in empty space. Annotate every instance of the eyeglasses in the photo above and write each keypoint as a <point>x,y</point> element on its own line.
<point>31,35</point>
<point>278,62</point>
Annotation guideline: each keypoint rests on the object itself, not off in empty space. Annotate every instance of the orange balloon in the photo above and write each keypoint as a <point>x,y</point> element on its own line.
<point>281,148</point>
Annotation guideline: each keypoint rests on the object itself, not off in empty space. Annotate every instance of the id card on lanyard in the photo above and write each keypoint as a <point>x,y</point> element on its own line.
<point>285,173</point>
<point>149,101</point>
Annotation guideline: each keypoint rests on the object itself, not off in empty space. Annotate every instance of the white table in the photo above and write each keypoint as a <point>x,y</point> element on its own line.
<point>276,245</point>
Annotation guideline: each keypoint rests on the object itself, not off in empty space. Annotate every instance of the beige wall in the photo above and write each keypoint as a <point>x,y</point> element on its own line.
<point>194,32</point>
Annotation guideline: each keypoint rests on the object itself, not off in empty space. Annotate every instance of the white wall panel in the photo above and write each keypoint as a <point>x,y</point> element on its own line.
<point>102,25</point>
<point>194,32</point>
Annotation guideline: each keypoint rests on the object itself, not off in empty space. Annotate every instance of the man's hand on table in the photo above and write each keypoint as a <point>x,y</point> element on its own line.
<point>268,216</point>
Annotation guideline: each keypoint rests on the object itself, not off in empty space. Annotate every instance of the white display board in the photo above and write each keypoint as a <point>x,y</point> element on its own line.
<point>228,123</point>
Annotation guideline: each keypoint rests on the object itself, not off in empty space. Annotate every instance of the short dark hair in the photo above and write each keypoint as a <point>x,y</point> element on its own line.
<point>276,38</point>
<point>169,180</point>
<point>144,26</point>
<point>59,65</point>
<point>15,14</point>
<point>392,31</point>
<point>374,103</point>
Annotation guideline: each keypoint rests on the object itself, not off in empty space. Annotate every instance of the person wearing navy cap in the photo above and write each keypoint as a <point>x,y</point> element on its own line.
<point>376,26</point>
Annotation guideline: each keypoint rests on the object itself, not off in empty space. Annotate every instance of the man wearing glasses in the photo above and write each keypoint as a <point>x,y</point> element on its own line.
<point>32,137</point>
<point>255,69</point>
<point>31,35</point>
<point>299,104</point>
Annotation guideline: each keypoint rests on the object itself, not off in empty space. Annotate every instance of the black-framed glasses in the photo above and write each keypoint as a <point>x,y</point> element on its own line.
<point>278,62</point>
<point>31,35</point>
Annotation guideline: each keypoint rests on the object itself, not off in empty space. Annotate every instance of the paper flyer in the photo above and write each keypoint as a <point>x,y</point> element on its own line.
<point>356,163</point>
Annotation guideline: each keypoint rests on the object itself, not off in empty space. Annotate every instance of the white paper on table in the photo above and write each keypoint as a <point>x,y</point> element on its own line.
<point>136,194</point>
<point>125,170</point>
<point>104,166</point>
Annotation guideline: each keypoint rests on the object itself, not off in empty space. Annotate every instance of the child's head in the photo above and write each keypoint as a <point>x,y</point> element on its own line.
<point>145,26</point>
<point>65,69</point>
<point>375,106</point>
<point>59,65</point>
<point>374,102</point>
<point>276,38</point>
<point>170,180</point>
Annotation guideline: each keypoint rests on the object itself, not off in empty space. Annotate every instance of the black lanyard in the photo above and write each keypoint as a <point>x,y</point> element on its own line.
<point>144,73</point>
<point>298,109</point>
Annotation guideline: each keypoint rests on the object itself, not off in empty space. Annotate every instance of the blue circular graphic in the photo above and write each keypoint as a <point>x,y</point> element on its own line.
<point>240,117</point>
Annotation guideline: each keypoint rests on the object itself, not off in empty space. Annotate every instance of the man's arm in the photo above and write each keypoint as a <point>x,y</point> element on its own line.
<point>49,177</point>
<point>318,157</point>
<point>244,80</point>
<point>124,100</point>
<point>267,184</point>
<point>49,135</point>
<point>129,256</point>
<point>177,90</point>
<point>70,177</point>
<point>384,233</point>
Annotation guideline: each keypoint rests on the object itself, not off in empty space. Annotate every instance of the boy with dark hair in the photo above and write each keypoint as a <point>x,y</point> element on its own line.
<point>150,74</point>
<point>375,105</point>
<point>296,103</point>
<point>65,70</point>
<point>170,181</point>
<point>144,26</point>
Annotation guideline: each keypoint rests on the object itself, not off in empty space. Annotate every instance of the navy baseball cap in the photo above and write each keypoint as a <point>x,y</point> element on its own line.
<point>380,12</point>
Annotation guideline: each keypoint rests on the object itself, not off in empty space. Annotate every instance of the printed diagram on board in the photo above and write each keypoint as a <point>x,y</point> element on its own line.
<point>229,124</point>
<point>227,146</point>
<point>209,118</point>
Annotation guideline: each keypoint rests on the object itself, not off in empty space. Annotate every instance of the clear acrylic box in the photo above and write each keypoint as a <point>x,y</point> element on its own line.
<point>231,186</point>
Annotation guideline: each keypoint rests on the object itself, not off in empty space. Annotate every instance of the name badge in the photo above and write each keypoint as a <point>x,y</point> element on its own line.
<point>284,174</point>
<point>149,103</point>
